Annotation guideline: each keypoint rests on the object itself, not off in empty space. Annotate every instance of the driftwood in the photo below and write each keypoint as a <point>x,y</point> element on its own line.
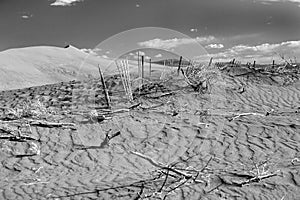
<point>18,138</point>
<point>52,124</point>
<point>252,179</point>
<point>244,114</point>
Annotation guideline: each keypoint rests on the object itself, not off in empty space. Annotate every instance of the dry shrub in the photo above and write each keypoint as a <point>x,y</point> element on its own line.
<point>31,109</point>
<point>200,77</point>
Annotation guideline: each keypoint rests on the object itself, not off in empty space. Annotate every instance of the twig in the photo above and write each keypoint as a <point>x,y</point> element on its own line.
<point>244,114</point>
<point>163,185</point>
<point>102,145</point>
<point>255,179</point>
<point>207,163</point>
<point>160,165</point>
<point>135,106</point>
<point>182,183</point>
<point>52,124</point>
<point>153,162</point>
<point>163,95</point>
<point>16,138</point>
<point>151,107</point>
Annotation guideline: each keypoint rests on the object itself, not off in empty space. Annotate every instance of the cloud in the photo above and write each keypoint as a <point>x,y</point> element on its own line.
<point>214,46</point>
<point>175,42</point>
<point>141,53</point>
<point>158,55</point>
<point>65,2</point>
<point>280,1</point>
<point>89,51</point>
<point>262,53</point>
<point>25,15</point>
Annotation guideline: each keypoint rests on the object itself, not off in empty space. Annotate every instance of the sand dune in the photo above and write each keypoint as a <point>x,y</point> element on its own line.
<point>33,66</point>
<point>184,130</point>
<point>36,66</point>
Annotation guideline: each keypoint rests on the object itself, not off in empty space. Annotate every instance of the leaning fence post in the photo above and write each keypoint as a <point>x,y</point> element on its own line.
<point>150,68</point>
<point>211,59</point>
<point>104,87</point>
<point>179,65</point>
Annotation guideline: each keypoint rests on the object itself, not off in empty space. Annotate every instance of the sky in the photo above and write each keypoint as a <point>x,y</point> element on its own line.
<point>244,29</point>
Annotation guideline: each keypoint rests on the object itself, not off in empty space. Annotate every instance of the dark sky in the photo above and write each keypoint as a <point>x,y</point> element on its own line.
<point>86,23</point>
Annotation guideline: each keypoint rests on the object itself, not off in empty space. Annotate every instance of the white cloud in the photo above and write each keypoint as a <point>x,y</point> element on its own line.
<point>215,46</point>
<point>65,2</point>
<point>281,1</point>
<point>26,16</point>
<point>141,53</point>
<point>90,51</point>
<point>158,56</point>
<point>175,42</point>
<point>263,53</point>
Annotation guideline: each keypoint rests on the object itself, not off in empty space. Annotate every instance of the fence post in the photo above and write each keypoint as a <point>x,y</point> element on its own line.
<point>104,87</point>
<point>138,59</point>
<point>179,65</point>
<point>142,69</point>
<point>150,69</point>
<point>211,59</point>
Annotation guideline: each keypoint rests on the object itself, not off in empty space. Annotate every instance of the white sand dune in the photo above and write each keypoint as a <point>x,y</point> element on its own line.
<point>40,65</point>
<point>34,66</point>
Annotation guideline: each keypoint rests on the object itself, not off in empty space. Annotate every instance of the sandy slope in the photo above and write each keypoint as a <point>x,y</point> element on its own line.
<point>33,66</point>
<point>79,164</point>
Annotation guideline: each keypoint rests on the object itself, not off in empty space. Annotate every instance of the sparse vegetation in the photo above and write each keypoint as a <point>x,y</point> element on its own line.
<point>32,109</point>
<point>164,105</point>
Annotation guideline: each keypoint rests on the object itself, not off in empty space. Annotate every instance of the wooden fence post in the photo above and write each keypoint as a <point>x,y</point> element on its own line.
<point>104,88</point>
<point>138,59</point>
<point>211,59</point>
<point>179,65</point>
<point>143,69</point>
<point>150,68</point>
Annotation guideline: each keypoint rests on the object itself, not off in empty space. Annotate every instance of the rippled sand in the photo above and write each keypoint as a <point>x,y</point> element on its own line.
<point>186,130</point>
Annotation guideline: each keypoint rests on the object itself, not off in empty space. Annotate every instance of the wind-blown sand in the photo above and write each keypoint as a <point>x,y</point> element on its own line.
<point>186,127</point>
<point>40,65</point>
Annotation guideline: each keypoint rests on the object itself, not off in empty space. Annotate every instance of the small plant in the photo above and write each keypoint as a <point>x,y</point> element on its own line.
<point>199,77</point>
<point>34,109</point>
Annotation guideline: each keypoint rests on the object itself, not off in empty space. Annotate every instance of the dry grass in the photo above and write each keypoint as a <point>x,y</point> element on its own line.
<point>33,109</point>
